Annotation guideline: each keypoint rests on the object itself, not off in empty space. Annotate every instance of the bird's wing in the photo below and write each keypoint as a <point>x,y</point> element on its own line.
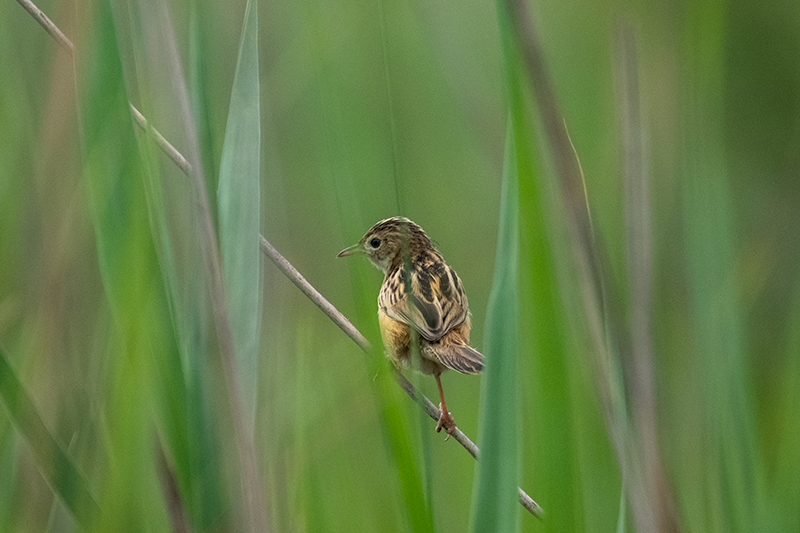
<point>438,302</point>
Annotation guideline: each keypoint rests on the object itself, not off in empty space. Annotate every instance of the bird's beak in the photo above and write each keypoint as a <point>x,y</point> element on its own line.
<point>350,250</point>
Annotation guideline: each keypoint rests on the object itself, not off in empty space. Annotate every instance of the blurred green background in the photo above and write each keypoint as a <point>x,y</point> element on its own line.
<point>368,110</point>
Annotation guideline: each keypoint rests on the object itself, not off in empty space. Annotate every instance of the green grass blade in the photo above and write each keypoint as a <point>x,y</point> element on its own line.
<point>582,279</point>
<point>546,374</point>
<point>54,464</point>
<point>238,201</point>
<point>496,507</point>
<point>200,83</point>
<point>552,415</point>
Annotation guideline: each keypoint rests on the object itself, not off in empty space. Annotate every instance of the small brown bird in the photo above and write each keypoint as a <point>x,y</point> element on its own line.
<point>438,308</point>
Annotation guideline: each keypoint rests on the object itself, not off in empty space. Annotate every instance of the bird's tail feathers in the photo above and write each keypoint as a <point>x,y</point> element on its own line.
<point>460,357</point>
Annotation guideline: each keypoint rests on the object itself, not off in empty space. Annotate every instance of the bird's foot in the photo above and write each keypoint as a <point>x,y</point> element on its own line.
<point>445,421</point>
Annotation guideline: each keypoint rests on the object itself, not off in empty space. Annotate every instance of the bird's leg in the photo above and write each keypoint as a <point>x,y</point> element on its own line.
<point>445,420</point>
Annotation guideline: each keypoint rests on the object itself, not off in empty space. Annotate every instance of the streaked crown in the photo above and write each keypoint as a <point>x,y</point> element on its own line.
<point>383,244</point>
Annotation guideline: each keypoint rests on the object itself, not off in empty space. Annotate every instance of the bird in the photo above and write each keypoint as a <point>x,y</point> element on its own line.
<point>429,300</point>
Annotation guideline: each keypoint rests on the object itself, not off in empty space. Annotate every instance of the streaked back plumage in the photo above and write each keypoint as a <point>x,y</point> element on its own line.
<point>436,306</point>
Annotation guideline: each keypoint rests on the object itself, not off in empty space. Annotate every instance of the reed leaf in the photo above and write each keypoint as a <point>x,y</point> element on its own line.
<point>547,371</point>
<point>495,507</point>
<point>238,200</point>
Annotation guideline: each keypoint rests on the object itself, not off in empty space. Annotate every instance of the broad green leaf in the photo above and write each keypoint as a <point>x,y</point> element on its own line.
<point>496,507</point>
<point>550,447</point>
<point>238,201</point>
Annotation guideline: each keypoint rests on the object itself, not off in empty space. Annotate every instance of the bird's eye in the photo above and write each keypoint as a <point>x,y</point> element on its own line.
<point>375,242</point>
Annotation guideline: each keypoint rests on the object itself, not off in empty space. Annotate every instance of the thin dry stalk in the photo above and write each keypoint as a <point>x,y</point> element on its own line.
<point>48,25</point>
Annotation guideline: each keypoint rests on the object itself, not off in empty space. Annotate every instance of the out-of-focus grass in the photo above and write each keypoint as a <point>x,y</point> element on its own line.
<point>104,311</point>
<point>728,459</point>
<point>497,474</point>
<point>239,209</point>
<point>546,366</point>
<point>55,465</point>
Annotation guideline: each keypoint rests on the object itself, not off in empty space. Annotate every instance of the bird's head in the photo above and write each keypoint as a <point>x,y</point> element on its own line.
<point>384,243</point>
